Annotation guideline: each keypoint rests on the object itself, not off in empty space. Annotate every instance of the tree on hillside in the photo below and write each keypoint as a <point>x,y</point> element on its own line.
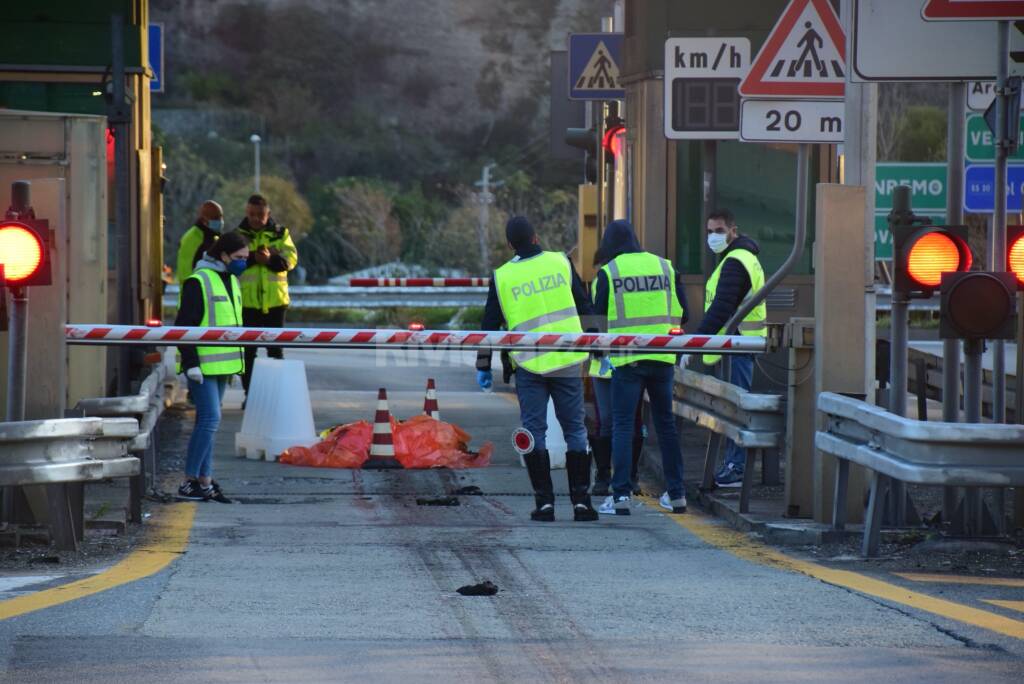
<point>287,205</point>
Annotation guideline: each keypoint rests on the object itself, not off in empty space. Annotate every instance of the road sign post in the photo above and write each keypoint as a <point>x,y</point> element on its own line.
<point>702,77</point>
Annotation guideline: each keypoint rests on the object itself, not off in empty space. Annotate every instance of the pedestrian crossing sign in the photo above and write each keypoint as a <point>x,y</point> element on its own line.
<point>804,56</point>
<point>594,60</point>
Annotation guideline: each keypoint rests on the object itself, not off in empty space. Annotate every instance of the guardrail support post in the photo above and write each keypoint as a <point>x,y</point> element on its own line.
<point>62,518</point>
<point>873,518</point>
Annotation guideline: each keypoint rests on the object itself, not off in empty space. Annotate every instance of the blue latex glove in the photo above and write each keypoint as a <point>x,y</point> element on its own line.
<point>606,365</point>
<point>485,380</point>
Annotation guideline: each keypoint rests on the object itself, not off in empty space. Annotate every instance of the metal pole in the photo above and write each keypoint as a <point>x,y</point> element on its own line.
<point>484,218</point>
<point>255,140</point>
<point>972,414</point>
<point>997,238</point>
<point>17,354</point>
<point>956,125</point>
<point>120,118</point>
<point>900,319</point>
<point>803,179</point>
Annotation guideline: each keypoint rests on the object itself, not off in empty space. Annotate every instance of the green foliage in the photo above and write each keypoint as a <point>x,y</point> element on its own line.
<point>922,135</point>
<point>287,205</point>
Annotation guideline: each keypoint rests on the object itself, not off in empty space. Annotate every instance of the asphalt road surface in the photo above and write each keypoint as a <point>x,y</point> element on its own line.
<point>338,575</point>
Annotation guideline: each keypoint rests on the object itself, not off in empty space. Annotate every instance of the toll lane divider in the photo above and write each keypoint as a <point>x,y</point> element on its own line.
<point>103,334</point>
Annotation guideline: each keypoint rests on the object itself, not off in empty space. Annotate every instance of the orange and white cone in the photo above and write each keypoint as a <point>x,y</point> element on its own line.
<point>430,406</point>
<point>382,447</point>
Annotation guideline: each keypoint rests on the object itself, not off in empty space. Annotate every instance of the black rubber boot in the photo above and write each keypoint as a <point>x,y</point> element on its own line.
<point>577,470</point>
<point>634,471</point>
<point>538,466</point>
<point>603,461</point>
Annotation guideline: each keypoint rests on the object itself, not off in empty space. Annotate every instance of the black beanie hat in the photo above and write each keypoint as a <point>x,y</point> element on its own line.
<point>519,232</point>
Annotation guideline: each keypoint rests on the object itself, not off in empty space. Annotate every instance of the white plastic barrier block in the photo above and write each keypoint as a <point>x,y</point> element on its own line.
<point>278,412</point>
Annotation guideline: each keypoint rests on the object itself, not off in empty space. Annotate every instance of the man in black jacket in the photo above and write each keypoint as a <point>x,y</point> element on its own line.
<point>726,292</point>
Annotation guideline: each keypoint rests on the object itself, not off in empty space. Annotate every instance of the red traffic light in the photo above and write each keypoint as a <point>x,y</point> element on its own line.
<point>922,255</point>
<point>612,141</point>
<point>1015,258</point>
<point>23,254</point>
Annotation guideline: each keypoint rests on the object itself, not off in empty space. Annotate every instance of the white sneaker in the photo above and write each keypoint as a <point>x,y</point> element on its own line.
<point>615,505</point>
<point>674,505</point>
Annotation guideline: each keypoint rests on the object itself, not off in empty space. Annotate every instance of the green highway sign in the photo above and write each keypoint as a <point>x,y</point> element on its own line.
<point>883,238</point>
<point>927,181</point>
<point>978,143</point>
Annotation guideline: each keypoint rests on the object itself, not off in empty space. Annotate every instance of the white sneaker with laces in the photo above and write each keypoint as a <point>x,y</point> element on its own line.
<point>607,506</point>
<point>674,505</point>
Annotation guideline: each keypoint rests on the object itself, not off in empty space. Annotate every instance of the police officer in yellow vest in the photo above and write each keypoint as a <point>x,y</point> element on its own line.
<point>210,297</point>
<point>640,293</point>
<point>198,239</point>
<point>539,291</point>
<point>738,276</point>
<point>265,282</point>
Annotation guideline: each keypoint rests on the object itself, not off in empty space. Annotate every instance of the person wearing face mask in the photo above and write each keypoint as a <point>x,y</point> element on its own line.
<point>211,296</point>
<point>265,282</point>
<point>198,239</point>
<point>738,275</point>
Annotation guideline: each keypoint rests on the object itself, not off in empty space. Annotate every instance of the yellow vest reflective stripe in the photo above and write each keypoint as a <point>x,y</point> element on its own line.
<point>220,311</point>
<point>753,324</point>
<point>595,364</point>
<point>535,295</point>
<point>261,287</point>
<point>642,299</point>
<point>187,248</point>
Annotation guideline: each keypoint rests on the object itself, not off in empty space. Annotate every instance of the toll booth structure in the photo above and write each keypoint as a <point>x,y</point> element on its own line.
<point>57,58</point>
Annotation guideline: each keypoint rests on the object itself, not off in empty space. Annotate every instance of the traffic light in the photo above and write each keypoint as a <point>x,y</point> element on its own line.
<point>586,140</point>
<point>978,305</point>
<point>1015,253</point>
<point>24,254</point>
<point>613,141</point>
<point>922,253</point>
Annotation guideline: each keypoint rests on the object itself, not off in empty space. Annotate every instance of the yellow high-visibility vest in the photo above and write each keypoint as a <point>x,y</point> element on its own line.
<point>753,323</point>
<point>641,299</point>
<point>261,287</point>
<point>535,295</point>
<point>220,310</point>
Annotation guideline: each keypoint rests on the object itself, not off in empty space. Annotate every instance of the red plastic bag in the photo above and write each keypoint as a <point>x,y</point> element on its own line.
<point>424,442</point>
<point>347,446</point>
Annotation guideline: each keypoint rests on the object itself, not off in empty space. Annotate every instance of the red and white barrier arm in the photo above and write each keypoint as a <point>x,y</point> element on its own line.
<point>83,333</point>
<point>419,282</point>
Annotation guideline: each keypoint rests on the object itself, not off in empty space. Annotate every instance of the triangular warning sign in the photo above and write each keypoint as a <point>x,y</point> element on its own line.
<point>601,72</point>
<point>804,56</point>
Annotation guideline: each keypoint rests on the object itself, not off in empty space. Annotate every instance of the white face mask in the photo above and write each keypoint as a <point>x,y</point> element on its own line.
<point>718,242</point>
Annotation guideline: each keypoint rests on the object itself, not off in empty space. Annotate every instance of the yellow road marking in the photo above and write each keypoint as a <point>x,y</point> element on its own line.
<point>165,542</point>
<point>961,579</point>
<point>744,547</point>
<point>1012,605</point>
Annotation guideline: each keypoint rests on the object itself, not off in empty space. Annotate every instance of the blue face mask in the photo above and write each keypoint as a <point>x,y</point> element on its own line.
<point>237,266</point>
<point>215,224</point>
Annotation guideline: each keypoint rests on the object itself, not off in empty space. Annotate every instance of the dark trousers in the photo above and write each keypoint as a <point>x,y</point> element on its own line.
<point>254,318</point>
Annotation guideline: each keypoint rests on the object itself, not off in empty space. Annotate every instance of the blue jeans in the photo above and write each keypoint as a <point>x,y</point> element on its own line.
<point>566,392</point>
<point>207,397</point>
<point>741,374</point>
<point>628,385</point>
<point>603,400</point>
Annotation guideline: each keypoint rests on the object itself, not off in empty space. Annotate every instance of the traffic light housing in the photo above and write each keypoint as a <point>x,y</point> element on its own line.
<point>586,140</point>
<point>25,253</point>
<point>978,306</point>
<point>1015,253</point>
<point>922,253</point>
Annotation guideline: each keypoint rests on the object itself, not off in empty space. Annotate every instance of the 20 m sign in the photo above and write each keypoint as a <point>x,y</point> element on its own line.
<point>794,121</point>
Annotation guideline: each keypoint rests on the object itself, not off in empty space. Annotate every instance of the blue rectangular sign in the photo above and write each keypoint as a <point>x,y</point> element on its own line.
<point>156,57</point>
<point>979,188</point>
<point>594,61</point>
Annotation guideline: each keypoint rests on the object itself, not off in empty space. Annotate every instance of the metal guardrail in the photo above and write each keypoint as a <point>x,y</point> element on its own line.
<point>345,297</point>
<point>66,450</point>
<point>756,422</point>
<point>907,450</point>
<point>146,407</point>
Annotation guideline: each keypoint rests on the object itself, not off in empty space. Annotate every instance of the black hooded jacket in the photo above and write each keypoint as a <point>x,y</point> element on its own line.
<point>733,286</point>
<point>619,238</point>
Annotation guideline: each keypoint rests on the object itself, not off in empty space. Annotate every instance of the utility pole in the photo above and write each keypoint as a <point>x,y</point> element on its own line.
<point>997,238</point>
<point>119,115</point>
<point>255,140</point>
<point>485,198</point>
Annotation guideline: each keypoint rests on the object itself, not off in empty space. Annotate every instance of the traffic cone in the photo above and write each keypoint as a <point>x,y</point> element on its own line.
<point>430,407</point>
<point>382,447</point>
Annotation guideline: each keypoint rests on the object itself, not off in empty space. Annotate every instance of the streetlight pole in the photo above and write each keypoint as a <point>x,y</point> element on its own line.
<point>255,140</point>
